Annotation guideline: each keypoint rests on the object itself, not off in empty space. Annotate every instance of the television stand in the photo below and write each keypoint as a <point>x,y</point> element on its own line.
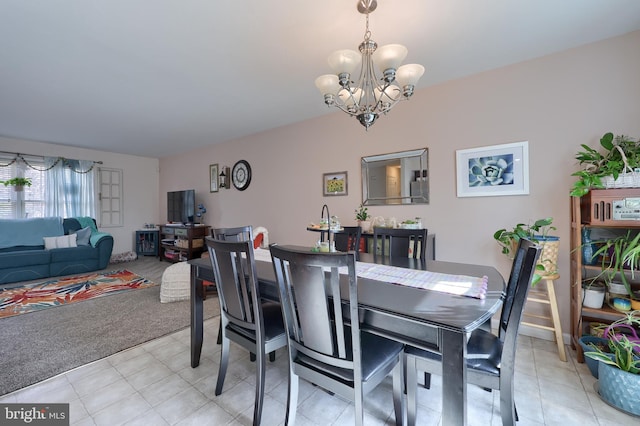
<point>181,242</point>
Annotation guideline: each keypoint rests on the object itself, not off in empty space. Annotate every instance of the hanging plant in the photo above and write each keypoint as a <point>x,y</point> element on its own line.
<point>17,182</point>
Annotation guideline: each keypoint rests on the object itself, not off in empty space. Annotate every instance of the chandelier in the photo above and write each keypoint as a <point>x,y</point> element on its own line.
<point>371,95</point>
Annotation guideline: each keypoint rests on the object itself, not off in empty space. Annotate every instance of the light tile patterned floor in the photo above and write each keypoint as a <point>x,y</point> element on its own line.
<point>153,384</point>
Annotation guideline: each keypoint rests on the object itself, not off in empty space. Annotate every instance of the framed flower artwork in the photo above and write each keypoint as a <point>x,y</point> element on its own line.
<point>493,170</point>
<point>334,183</point>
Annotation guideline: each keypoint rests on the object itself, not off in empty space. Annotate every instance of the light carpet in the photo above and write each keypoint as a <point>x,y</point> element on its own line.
<point>48,342</point>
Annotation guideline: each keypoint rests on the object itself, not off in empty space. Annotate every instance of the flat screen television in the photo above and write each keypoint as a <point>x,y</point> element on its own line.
<point>181,206</point>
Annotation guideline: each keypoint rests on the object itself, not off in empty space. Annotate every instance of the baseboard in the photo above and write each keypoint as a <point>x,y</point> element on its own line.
<point>539,333</point>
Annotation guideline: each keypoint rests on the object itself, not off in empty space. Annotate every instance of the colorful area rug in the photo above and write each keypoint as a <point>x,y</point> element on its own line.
<point>63,291</point>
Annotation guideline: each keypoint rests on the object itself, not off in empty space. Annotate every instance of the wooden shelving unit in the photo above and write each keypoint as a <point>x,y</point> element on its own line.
<point>179,242</point>
<point>594,211</point>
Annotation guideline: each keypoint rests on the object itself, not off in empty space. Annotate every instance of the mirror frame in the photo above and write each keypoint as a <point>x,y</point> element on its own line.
<point>422,197</point>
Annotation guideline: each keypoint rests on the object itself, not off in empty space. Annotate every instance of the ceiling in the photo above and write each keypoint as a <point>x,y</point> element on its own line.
<point>159,77</point>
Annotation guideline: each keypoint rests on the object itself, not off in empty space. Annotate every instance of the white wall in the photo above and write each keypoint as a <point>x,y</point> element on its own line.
<point>556,103</point>
<point>140,182</point>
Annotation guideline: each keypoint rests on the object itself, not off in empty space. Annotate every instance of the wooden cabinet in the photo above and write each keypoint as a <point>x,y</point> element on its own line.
<point>180,243</point>
<point>604,214</point>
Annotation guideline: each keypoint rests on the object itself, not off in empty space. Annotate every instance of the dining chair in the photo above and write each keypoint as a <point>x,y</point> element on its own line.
<point>394,242</point>
<point>490,359</point>
<point>238,233</point>
<point>326,347</point>
<point>245,318</point>
<point>348,239</point>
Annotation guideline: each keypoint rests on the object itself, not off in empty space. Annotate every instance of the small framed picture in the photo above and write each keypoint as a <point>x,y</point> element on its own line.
<point>334,183</point>
<point>493,170</point>
<point>213,178</point>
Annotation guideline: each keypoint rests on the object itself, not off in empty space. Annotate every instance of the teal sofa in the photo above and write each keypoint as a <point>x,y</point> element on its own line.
<point>23,255</point>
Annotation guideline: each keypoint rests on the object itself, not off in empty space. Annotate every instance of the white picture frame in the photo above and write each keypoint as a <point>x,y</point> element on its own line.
<point>493,170</point>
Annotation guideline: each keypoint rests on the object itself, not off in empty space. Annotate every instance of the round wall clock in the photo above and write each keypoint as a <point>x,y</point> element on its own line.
<point>241,175</point>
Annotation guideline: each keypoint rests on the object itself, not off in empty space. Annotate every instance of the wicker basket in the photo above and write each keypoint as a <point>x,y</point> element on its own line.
<point>549,256</point>
<point>625,180</point>
<point>184,243</point>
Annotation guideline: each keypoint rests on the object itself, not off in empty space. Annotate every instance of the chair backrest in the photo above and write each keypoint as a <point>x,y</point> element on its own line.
<point>394,242</point>
<point>239,233</point>
<point>348,239</point>
<point>310,297</point>
<point>512,284</point>
<point>237,283</point>
<point>522,271</point>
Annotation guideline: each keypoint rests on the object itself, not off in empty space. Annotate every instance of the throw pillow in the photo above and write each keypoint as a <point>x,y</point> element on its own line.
<point>63,241</point>
<point>83,236</point>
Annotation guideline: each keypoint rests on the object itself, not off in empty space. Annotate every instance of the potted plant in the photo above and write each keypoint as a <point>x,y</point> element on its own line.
<point>619,256</point>
<point>598,339</point>
<point>618,372</point>
<point>616,167</point>
<point>18,183</point>
<point>538,233</point>
<point>362,217</point>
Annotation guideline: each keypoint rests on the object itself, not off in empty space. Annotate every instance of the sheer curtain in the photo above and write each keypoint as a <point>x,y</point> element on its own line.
<point>70,188</point>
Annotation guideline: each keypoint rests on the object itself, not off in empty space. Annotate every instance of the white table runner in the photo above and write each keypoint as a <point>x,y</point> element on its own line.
<point>461,285</point>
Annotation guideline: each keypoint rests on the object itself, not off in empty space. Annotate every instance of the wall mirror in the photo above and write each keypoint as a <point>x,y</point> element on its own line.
<point>397,178</point>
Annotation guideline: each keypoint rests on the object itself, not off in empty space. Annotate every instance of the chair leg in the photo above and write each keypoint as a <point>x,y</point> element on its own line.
<point>260,367</point>
<point>398,390</point>
<point>222,370</point>
<point>292,399</point>
<point>507,404</point>
<point>427,380</point>
<point>219,334</point>
<point>272,356</point>
<point>412,387</point>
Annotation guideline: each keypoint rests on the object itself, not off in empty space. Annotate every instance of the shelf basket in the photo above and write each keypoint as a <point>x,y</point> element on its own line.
<point>625,180</point>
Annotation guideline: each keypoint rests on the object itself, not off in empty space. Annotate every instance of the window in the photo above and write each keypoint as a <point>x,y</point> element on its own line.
<point>26,203</point>
<point>111,197</point>
<point>59,187</point>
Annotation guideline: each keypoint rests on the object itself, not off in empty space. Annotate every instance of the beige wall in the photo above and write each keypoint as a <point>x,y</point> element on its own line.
<point>555,102</point>
<point>140,183</point>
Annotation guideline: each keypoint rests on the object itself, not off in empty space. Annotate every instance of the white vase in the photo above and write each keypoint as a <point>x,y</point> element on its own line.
<point>593,295</point>
<point>365,225</point>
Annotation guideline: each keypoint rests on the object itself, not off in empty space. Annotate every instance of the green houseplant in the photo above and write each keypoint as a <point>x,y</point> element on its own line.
<point>538,232</point>
<point>618,370</point>
<point>619,256</point>
<point>363,218</point>
<point>620,155</point>
<point>17,182</point>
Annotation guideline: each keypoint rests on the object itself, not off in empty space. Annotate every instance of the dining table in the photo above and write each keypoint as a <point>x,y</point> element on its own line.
<point>428,319</point>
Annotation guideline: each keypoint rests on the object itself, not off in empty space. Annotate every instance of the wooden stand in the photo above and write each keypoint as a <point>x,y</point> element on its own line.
<point>180,243</point>
<point>548,297</point>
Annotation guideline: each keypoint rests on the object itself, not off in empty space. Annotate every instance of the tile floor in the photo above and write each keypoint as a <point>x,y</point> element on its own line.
<point>153,384</point>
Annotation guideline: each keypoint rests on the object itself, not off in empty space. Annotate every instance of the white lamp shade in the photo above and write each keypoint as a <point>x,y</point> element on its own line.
<point>389,56</point>
<point>344,61</point>
<point>328,84</point>
<point>409,74</point>
<point>389,95</point>
<point>350,100</point>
